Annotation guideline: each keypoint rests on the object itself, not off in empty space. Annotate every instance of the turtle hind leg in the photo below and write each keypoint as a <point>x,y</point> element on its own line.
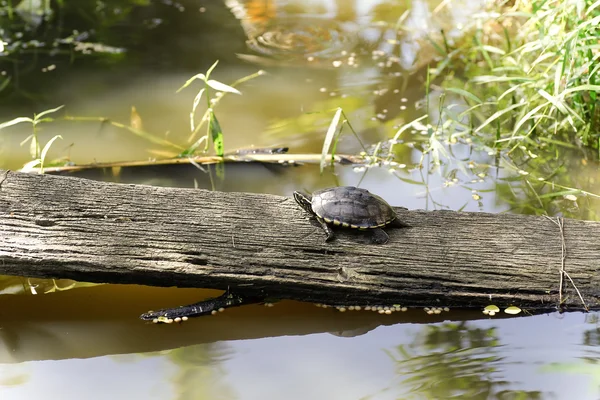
<point>379,236</point>
<point>327,229</point>
<point>398,224</point>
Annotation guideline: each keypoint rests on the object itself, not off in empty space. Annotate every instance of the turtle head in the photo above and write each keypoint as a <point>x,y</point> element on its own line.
<point>304,200</point>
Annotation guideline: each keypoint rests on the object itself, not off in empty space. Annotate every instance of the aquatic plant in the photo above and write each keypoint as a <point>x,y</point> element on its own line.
<point>530,76</point>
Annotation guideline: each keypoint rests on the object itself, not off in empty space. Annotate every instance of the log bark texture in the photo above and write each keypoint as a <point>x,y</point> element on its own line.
<point>92,231</point>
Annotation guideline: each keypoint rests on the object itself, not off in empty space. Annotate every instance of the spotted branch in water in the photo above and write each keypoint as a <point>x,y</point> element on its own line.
<point>209,306</point>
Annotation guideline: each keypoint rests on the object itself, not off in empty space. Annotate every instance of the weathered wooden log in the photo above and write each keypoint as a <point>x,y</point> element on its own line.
<point>103,232</point>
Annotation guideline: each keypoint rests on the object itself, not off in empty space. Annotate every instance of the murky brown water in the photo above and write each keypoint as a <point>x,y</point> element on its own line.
<point>88,342</point>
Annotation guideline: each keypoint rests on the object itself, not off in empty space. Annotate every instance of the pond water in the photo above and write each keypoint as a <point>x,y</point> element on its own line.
<point>318,55</point>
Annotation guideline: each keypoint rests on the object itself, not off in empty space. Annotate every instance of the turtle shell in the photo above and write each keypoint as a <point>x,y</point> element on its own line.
<point>352,207</point>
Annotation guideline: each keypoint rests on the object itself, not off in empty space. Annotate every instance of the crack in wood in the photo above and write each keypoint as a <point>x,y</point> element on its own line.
<point>197,261</point>
<point>324,252</point>
<point>4,178</point>
<point>45,222</point>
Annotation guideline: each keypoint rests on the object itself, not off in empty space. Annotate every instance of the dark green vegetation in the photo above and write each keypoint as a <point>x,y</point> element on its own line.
<point>44,41</point>
<point>521,86</point>
<point>529,77</point>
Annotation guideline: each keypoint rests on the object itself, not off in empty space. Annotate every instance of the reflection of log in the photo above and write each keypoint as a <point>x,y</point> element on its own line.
<point>102,232</point>
<point>100,320</point>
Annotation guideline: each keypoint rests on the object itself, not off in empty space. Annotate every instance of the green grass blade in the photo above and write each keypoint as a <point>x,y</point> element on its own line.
<point>592,7</point>
<point>45,151</point>
<point>40,115</point>
<point>405,127</point>
<point>527,116</point>
<point>222,87</point>
<point>492,49</point>
<point>192,149</point>
<point>554,101</point>
<point>497,115</point>
<point>194,106</point>
<point>464,93</point>
<point>329,137</point>
<point>591,88</point>
<point>210,70</point>
<point>494,79</point>
<point>15,122</point>
<point>192,79</point>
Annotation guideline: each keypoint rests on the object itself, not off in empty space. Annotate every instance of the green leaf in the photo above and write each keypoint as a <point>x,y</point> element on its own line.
<point>528,116</point>
<point>222,87</point>
<point>466,94</point>
<point>492,49</point>
<point>498,114</point>
<point>192,79</point>
<point>592,7</point>
<point>555,102</point>
<point>216,134</point>
<point>192,149</point>
<point>45,151</point>
<point>210,70</point>
<point>559,194</point>
<point>30,165</point>
<point>408,126</point>
<point>15,121</point>
<point>329,137</point>
<point>411,181</point>
<point>493,79</point>
<point>194,106</point>
<point>591,88</point>
<point>40,115</point>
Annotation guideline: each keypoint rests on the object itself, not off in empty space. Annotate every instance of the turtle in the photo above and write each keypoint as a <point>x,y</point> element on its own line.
<point>350,207</point>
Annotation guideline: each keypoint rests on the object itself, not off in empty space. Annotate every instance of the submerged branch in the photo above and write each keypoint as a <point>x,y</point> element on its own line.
<point>288,159</point>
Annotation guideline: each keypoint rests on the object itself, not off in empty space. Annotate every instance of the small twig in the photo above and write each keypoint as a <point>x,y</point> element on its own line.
<point>577,290</point>
<point>563,247</point>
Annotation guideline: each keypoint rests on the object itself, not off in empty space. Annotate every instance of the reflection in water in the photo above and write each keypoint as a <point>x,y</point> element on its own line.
<point>294,34</point>
<point>451,360</point>
<point>287,359</point>
<point>200,374</point>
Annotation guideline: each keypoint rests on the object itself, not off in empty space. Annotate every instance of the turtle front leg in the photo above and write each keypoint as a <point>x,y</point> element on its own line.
<point>379,236</point>
<point>327,229</point>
